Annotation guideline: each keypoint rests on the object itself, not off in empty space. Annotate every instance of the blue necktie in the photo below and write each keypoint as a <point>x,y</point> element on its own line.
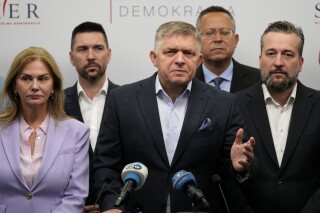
<point>217,82</point>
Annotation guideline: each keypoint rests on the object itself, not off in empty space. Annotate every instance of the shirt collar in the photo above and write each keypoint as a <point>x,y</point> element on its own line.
<point>103,89</point>
<point>24,126</point>
<point>160,89</point>
<point>226,75</point>
<point>267,95</point>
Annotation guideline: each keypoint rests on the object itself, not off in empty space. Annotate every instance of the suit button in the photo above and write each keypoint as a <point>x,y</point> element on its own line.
<point>280,181</point>
<point>29,195</point>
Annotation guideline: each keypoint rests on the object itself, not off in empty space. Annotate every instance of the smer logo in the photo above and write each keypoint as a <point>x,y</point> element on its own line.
<point>19,14</point>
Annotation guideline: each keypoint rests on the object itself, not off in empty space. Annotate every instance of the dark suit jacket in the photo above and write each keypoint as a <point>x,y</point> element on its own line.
<point>243,76</point>
<point>72,108</point>
<point>294,186</point>
<point>133,134</point>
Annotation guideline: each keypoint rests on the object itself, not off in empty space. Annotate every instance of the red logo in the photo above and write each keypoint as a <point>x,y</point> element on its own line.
<point>3,7</point>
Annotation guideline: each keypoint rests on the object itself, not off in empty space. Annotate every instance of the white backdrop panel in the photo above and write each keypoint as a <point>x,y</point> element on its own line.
<point>131,25</point>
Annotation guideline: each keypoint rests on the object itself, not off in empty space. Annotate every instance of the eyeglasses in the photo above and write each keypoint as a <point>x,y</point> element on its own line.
<point>211,34</point>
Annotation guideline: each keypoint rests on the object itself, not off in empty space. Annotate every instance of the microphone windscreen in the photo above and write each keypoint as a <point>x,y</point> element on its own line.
<point>136,172</point>
<point>216,178</point>
<point>181,179</point>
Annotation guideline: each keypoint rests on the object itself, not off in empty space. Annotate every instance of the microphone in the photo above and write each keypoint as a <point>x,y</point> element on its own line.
<point>185,181</point>
<point>133,175</point>
<point>217,179</point>
<point>96,201</point>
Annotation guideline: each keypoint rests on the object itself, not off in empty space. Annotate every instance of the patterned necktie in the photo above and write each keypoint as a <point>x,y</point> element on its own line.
<point>217,82</point>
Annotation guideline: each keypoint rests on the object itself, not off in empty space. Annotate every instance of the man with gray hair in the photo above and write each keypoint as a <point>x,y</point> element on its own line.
<point>283,116</point>
<point>170,122</point>
<point>219,40</point>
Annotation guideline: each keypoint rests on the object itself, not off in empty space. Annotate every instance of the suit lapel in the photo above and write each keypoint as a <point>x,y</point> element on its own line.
<point>305,104</point>
<point>196,105</point>
<point>54,140</point>
<point>149,108</point>
<point>10,137</point>
<point>199,73</point>
<point>238,82</point>
<point>257,111</point>
<point>72,106</point>
<point>110,87</point>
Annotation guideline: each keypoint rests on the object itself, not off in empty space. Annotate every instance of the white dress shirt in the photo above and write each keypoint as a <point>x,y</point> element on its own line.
<point>171,118</point>
<point>226,75</point>
<point>279,120</point>
<point>92,110</point>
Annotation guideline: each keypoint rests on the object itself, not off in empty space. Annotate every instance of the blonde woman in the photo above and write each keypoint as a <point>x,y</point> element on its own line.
<point>43,153</point>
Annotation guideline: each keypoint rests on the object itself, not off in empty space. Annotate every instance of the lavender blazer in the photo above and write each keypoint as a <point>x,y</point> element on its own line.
<point>63,180</point>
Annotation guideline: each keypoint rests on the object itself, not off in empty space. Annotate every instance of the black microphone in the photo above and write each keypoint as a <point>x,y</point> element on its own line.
<point>133,175</point>
<point>185,181</point>
<point>95,202</point>
<point>217,179</point>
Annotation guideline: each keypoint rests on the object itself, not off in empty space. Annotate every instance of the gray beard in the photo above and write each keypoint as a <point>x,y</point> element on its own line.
<point>282,86</point>
<point>278,86</point>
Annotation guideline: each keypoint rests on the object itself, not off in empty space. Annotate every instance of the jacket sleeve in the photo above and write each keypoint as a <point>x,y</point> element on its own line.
<point>236,200</point>
<point>78,186</point>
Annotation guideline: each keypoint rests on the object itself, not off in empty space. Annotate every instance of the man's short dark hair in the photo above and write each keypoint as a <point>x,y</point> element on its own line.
<point>88,27</point>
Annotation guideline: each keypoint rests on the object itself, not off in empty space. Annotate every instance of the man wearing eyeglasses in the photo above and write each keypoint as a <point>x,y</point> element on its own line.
<point>219,39</point>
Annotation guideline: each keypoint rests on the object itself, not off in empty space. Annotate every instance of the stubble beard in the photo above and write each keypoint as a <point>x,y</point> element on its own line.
<point>276,85</point>
<point>83,73</point>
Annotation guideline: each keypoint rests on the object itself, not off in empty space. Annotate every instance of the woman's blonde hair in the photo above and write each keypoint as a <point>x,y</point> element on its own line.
<point>11,101</point>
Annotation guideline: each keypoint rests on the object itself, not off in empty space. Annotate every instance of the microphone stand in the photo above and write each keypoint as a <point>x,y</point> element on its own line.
<point>198,199</point>
<point>129,208</point>
<point>195,207</point>
<point>96,201</point>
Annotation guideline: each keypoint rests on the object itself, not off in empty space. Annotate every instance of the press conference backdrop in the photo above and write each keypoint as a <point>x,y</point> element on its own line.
<point>131,25</point>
